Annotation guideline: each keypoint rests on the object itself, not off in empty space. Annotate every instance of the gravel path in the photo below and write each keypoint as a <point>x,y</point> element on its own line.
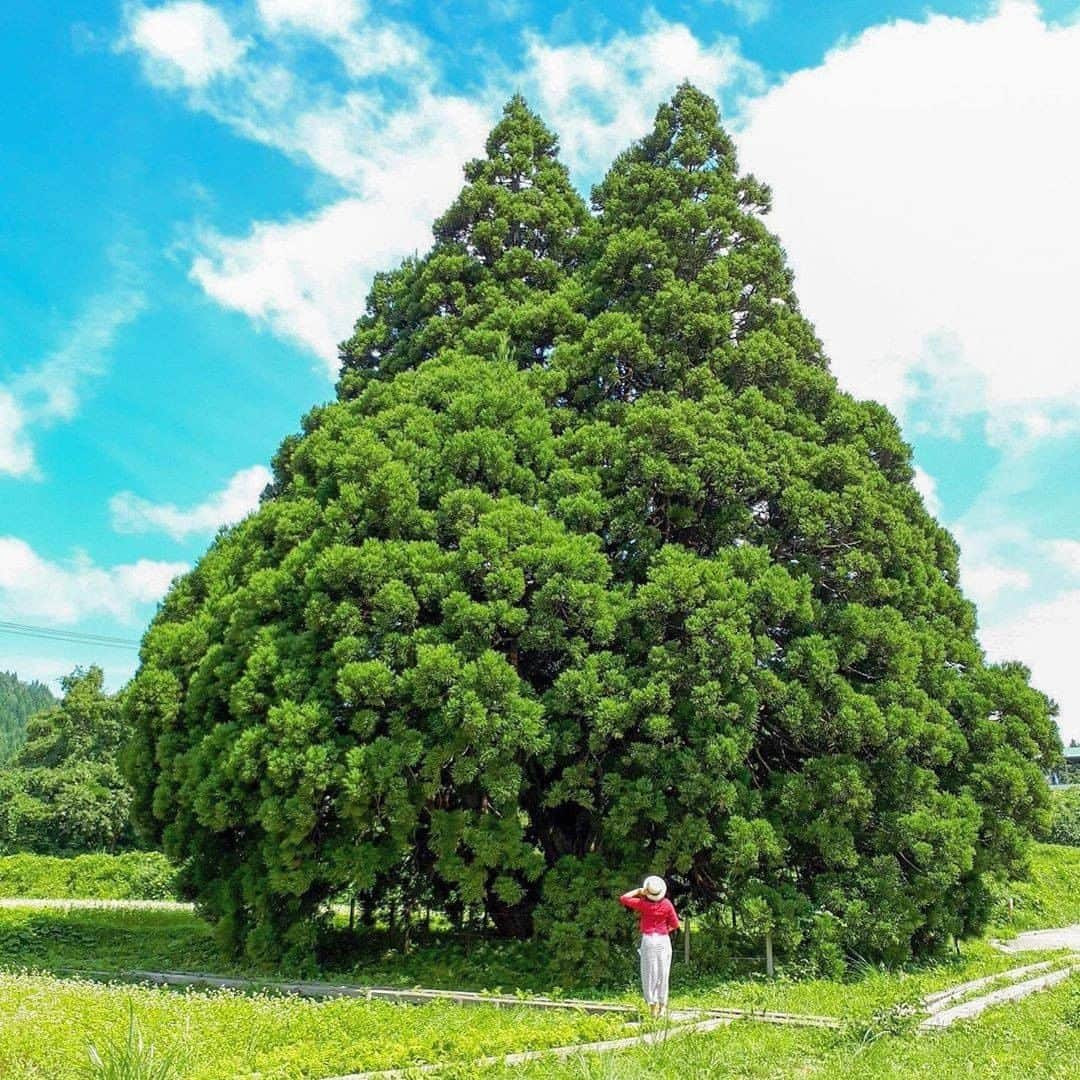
<point>1065,937</point>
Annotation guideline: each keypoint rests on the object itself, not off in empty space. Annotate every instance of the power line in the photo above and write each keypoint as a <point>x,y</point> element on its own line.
<point>73,637</point>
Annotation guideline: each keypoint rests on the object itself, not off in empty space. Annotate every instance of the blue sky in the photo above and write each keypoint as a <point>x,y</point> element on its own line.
<point>194,196</point>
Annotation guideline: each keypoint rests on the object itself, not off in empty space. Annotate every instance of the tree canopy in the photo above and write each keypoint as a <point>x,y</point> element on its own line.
<point>18,702</point>
<point>63,792</point>
<point>590,570</point>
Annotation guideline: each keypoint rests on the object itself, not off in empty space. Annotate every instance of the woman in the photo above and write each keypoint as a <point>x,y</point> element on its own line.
<point>657,919</point>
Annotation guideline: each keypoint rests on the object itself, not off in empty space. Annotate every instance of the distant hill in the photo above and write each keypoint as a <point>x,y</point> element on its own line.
<point>18,702</point>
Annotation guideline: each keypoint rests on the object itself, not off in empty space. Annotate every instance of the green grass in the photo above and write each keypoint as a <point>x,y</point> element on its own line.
<point>1050,898</point>
<point>124,940</point>
<point>104,939</point>
<point>47,1027</point>
<point>113,940</point>
<point>866,994</point>
<point>1038,1037</point>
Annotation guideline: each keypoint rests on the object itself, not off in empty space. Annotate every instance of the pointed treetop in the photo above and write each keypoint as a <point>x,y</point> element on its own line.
<point>501,251</point>
<point>687,154</point>
<point>687,134</point>
<point>680,230</point>
<point>518,196</point>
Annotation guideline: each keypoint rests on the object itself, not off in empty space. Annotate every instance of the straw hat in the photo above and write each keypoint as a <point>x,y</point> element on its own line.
<point>655,887</point>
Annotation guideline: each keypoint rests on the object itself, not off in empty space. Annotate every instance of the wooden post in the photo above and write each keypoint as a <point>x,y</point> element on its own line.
<point>686,942</point>
<point>768,954</point>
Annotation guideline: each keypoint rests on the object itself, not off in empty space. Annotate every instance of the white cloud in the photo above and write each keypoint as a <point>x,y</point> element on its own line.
<point>364,46</point>
<point>600,97</point>
<point>16,453</point>
<point>185,43</point>
<point>505,10</point>
<point>378,49</point>
<point>1066,553</point>
<point>925,193</point>
<point>751,11</point>
<point>993,560</point>
<point>132,514</point>
<point>36,588</point>
<point>930,217</point>
<point>307,279</point>
<point>399,156</point>
<point>984,581</point>
<point>1043,636</point>
<point>926,486</point>
<point>333,18</point>
<point>52,390</point>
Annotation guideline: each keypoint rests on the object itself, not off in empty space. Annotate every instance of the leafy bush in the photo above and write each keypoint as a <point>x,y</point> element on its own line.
<point>1065,817</point>
<point>134,875</point>
<point>63,792</point>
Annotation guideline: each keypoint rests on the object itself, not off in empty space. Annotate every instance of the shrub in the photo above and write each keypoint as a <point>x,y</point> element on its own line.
<point>134,875</point>
<point>1065,817</point>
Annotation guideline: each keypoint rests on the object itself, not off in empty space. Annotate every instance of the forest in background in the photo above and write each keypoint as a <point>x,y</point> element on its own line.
<point>18,702</point>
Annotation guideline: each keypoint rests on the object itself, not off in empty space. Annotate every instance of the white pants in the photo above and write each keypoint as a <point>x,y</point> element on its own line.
<point>655,951</point>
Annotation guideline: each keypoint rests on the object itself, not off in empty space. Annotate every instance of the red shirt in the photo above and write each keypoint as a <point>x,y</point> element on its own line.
<point>655,916</point>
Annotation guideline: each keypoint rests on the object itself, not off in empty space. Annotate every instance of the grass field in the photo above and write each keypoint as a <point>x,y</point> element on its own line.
<point>48,1024</point>
<point>1036,1038</point>
<point>1051,897</point>
<point>123,940</point>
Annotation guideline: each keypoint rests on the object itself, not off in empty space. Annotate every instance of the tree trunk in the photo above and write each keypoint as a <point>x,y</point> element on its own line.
<point>512,920</point>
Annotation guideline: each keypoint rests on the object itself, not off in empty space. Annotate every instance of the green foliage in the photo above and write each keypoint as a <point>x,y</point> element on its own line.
<point>63,791</point>
<point>132,1059</point>
<point>590,570</point>
<point>18,702</point>
<point>1065,817</point>
<point>133,875</point>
